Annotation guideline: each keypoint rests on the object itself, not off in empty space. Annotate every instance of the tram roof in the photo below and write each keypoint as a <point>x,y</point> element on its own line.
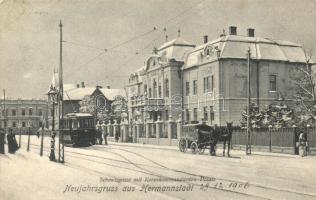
<point>78,115</point>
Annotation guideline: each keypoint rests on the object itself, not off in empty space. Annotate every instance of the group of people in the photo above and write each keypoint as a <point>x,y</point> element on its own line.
<point>12,143</point>
<point>99,138</point>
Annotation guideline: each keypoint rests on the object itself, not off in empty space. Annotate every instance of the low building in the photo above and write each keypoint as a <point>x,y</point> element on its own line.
<point>23,114</point>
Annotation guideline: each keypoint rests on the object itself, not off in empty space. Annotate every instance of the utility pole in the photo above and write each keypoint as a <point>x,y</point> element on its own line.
<point>61,151</point>
<point>248,145</point>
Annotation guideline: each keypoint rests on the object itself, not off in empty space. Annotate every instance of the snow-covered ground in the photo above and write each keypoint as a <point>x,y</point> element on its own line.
<point>143,168</point>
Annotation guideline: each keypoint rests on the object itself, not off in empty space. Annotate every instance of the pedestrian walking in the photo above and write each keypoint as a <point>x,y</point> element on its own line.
<point>302,142</point>
<point>12,144</point>
<point>104,133</point>
<point>52,148</point>
<point>2,141</point>
<point>99,132</point>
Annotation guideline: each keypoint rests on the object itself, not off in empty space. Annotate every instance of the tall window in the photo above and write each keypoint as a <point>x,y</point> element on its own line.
<point>206,84</point>
<point>211,113</point>
<point>159,91</point>
<point>145,89</point>
<point>273,79</point>
<point>187,114</point>
<point>23,112</point>
<point>40,113</point>
<point>13,112</point>
<point>195,87</point>
<point>195,114</point>
<point>167,114</point>
<point>205,116</point>
<point>23,124</point>
<point>30,111</point>
<point>167,87</point>
<point>212,83</point>
<point>187,88</point>
<point>149,92</point>
<point>13,124</point>
<point>155,89</point>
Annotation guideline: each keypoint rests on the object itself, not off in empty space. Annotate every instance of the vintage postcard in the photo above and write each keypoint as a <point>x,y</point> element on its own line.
<point>157,99</point>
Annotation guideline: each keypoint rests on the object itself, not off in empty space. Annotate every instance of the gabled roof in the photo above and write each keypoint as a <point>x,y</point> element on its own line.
<point>175,42</point>
<point>77,93</point>
<point>110,94</point>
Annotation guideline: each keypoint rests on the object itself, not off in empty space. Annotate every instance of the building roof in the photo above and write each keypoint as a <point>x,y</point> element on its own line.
<point>78,93</point>
<point>174,49</point>
<point>175,42</point>
<point>236,46</point>
<point>110,94</point>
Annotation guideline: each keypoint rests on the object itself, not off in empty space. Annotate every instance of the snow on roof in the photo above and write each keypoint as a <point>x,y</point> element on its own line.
<point>78,93</point>
<point>236,46</point>
<point>175,42</point>
<point>110,94</point>
<point>79,115</point>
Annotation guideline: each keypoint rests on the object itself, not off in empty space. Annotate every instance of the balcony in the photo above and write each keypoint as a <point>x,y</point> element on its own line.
<point>147,102</point>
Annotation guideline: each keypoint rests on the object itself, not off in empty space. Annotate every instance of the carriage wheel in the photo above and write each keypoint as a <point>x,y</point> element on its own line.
<point>194,147</point>
<point>201,149</point>
<point>182,145</point>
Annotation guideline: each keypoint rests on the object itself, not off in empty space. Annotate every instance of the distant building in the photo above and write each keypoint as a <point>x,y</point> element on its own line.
<point>23,114</point>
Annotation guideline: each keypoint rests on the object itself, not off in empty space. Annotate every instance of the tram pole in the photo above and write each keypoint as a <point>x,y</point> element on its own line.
<point>61,154</point>
<point>248,145</point>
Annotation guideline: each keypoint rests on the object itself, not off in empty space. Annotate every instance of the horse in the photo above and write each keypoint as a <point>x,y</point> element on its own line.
<point>222,134</point>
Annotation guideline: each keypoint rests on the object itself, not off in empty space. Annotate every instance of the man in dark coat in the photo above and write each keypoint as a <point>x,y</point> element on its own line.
<point>12,143</point>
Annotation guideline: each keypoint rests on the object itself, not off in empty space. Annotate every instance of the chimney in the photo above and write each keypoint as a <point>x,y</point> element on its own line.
<point>205,37</point>
<point>232,30</point>
<point>78,85</point>
<point>82,85</point>
<point>251,32</point>
<point>108,87</point>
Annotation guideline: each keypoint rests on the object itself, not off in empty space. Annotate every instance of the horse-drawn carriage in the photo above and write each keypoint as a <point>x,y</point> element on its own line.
<point>198,137</point>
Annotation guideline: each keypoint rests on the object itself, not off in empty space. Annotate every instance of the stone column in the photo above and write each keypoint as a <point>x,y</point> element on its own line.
<point>108,129</point>
<point>169,129</point>
<point>158,129</point>
<point>124,128</point>
<point>115,131</point>
<point>179,127</point>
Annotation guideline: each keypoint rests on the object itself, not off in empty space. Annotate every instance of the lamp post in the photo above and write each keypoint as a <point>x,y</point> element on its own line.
<point>28,137</point>
<point>52,95</point>
<point>294,139</point>
<point>19,126</point>
<point>42,138</point>
<point>270,138</point>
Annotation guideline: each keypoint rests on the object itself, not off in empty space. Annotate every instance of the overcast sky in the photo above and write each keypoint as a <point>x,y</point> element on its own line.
<point>29,35</point>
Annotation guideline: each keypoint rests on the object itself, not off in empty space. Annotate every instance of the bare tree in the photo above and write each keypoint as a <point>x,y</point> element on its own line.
<point>305,91</point>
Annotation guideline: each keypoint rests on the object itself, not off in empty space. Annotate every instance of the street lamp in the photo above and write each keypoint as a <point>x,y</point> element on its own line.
<point>270,138</point>
<point>20,126</point>
<point>29,133</point>
<point>52,97</point>
<point>295,139</point>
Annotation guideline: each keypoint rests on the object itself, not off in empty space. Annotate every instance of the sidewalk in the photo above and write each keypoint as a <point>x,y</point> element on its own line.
<point>219,150</point>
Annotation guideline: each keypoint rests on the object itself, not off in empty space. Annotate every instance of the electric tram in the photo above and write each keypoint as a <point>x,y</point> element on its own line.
<point>79,129</point>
